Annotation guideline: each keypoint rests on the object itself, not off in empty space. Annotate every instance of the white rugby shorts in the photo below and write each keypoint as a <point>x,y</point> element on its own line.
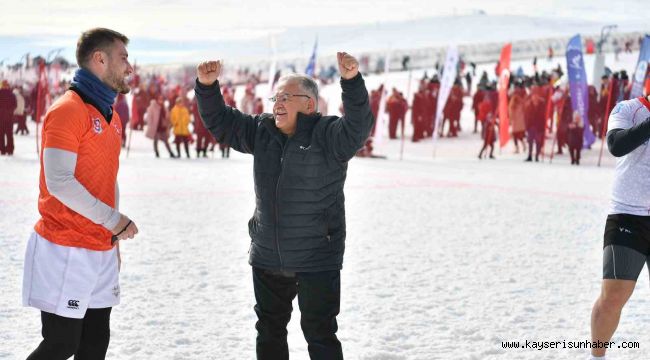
<point>66,281</point>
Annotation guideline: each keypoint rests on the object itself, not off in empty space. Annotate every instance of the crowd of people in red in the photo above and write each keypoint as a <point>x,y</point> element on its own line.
<point>539,107</point>
<point>158,107</point>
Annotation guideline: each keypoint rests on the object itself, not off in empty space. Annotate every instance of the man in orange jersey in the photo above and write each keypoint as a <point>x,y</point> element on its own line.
<point>72,259</point>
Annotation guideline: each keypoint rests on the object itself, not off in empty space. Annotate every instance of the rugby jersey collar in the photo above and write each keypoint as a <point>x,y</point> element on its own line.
<point>107,116</point>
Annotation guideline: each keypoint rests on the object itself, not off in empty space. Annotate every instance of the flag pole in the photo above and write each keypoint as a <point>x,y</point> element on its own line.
<point>605,120</point>
<point>448,78</point>
<point>550,159</point>
<point>408,95</point>
<point>39,100</point>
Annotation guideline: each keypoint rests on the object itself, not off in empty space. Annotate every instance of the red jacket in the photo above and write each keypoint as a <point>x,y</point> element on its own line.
<point>7,106</point>
<point>396,107</point>
<point>434,89</point>
<point>485,108</point>
<point>375,98</point>
<point>535,112</point>
<point>477,99</point>
<point>199,127</point>
<point>493,95</point>
<point>594,109</point>
<point>454,104</point>
<point>418,109</point>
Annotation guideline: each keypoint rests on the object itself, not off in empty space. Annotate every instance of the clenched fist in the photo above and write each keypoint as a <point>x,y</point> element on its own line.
<point>208,72</point>
<point>125,229</point>
<point>348,65</point>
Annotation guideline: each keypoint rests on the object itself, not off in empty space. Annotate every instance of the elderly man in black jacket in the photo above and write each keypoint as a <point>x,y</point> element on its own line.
<point>298,228</point>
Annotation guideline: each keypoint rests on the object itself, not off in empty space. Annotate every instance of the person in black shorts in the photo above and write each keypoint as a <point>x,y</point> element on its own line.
<point>626,247</point>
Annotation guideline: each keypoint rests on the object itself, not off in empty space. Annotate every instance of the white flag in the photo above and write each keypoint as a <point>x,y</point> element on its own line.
<point>446,83</point>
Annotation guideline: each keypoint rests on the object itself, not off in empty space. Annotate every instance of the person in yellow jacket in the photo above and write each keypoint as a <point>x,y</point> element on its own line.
<point>180,119</point>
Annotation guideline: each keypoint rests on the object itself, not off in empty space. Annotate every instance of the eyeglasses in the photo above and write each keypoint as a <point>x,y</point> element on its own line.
<point>285,97</point>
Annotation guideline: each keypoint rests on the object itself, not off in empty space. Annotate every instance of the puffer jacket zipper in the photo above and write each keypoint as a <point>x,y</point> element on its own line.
<point>277,203</point>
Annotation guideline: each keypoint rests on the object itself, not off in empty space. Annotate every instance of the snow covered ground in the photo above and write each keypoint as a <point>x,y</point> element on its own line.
<point>446,257</point>
<point>243,29</point>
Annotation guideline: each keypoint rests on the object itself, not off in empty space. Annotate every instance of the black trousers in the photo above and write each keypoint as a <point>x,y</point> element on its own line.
<point>319,298</point>
<point>86,339</point>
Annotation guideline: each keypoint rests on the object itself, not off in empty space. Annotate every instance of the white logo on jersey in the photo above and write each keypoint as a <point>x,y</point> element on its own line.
<point>97,126</point>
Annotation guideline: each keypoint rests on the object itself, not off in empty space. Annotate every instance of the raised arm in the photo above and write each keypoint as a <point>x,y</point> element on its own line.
<point>228,125</point>
<point>346,135</point>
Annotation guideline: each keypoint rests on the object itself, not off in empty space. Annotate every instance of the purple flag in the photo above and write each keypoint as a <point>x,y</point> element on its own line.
<point>311,66</point>
<point>578,86</point>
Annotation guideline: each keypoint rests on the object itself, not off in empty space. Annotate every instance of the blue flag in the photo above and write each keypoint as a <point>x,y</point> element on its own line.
<point>311,67</point>
<point>641,69</point>
<point>578,86</point>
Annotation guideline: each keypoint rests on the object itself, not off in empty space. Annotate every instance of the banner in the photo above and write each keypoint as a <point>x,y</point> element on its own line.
<point>578,86</point>
<point>504,85</point>
<point>446,83</point>
<point>599,71</point>
<point>639,78</point>
<point>43,93</point>
<point>311,67</point>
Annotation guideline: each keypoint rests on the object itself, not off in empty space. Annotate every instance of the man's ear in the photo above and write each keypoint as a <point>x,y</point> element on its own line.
<point>99,57</point>
<point>313,105</point>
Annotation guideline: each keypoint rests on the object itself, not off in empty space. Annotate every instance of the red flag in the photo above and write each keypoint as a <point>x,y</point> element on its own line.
<point>43,92</point>
<point>504,82</point>
<point>42,100</point>
<point>610,90</point>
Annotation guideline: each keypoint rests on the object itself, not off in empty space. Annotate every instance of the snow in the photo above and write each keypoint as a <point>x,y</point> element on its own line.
<point>238,31</point>
<point>446,257</point>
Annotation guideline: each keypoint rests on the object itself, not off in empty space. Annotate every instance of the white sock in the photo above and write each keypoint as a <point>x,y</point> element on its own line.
<point>597,357</point>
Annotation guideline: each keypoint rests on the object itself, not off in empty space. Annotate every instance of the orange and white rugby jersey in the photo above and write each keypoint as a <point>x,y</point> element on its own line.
<point>75,126</point>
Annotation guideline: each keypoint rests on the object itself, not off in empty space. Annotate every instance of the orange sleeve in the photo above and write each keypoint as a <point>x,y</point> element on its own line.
<point>64,127</point>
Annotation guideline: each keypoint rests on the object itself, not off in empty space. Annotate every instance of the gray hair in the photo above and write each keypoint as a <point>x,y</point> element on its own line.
<point>306,83</point>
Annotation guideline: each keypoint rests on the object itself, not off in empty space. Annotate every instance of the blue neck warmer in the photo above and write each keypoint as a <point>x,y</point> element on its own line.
<point>98,92</point>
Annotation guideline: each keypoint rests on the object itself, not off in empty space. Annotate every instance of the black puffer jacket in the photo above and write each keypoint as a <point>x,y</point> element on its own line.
<point>299,219</point>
